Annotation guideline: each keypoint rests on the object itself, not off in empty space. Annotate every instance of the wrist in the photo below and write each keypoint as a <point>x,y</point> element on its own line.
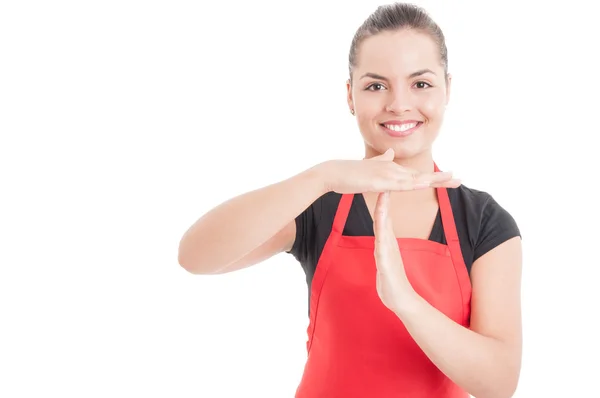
<point>408,304</point>
<point>322,175</point>
<point>313,180</point>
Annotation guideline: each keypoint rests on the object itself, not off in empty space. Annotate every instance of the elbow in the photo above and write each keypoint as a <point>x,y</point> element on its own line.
<point>505,388</point>
<point>187,261</point>
<point>502,376</point>
<point>510,387</point>
<point>510,381</point>
<point>195,263</point>
<point>500,393</point>
<point>506,392</point>
<point>186,264</point>
<point>192,266</point>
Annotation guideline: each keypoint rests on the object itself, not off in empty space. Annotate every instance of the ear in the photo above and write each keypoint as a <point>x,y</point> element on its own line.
<point>448,88</point>
<point>349,95</point>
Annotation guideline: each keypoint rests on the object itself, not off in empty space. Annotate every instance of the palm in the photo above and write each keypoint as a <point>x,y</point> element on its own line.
<point>391,278</point>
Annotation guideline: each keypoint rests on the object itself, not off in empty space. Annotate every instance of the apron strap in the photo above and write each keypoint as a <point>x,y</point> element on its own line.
<point>453,242</point>
<point>447,216</point>
<point>341,215</point>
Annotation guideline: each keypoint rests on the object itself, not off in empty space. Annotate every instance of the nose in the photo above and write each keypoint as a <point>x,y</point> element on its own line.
<point>399,102</point>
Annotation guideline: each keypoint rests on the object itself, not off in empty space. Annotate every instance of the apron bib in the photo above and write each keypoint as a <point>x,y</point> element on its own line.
<point>356,346</point>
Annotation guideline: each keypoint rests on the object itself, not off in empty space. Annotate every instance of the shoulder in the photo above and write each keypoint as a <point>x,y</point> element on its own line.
<point>489,222</point>
<point>311,221</point>
<point>467,196</point>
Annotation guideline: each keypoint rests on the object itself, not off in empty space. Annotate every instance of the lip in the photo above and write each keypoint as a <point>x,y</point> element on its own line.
<point>405,133</point>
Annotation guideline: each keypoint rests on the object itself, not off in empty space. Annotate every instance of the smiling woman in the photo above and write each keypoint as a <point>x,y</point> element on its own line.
<point>399,82</point>
<point>413,278</point>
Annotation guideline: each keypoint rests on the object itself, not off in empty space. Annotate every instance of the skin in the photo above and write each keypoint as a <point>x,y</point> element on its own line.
<point>485,359</point>
<point>397,96</point>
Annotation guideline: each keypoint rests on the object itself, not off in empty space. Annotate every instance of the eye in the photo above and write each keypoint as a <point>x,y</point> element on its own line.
<point>375,87</point>
<point>422,85</point>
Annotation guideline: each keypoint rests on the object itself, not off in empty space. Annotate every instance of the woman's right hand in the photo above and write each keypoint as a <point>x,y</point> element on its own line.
<point>380,174</point>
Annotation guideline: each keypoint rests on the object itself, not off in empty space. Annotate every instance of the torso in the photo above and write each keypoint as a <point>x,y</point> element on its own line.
<point>410,220</point>
<point>481,223</point>
<point>356,346</point>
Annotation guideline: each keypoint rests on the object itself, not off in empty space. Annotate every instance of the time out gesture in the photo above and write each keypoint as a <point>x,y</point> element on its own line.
<point>380,174</point>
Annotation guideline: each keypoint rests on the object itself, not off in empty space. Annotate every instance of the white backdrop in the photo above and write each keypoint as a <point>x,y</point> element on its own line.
<point>122,122</point>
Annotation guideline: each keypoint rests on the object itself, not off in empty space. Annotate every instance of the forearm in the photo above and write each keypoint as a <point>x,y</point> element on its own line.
<point>483,366</point>
<point>236,227</point>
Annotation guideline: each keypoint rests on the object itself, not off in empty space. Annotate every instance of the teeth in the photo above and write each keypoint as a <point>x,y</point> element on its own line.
<point>400,127</point>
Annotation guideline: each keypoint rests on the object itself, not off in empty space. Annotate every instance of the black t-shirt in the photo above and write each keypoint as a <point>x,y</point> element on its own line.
<point>481,224</point>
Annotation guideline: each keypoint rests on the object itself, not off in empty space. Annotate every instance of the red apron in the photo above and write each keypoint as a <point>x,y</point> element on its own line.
<point>356,346</point>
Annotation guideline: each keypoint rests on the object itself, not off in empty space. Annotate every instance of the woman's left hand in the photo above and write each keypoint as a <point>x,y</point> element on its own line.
<point>393,286</point>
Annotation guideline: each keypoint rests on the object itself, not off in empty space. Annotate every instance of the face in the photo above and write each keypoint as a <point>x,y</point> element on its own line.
<point>399,93</point>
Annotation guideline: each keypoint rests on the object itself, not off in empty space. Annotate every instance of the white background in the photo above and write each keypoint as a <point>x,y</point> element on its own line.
<point>122,122</point>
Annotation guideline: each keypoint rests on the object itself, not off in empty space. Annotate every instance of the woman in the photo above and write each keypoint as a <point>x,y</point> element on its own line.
<point>414,279</point>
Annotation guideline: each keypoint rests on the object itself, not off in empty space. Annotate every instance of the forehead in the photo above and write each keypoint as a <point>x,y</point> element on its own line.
<point>399,52</point>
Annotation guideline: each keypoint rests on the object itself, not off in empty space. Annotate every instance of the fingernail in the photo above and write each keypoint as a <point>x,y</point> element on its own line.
<point>423,185</point>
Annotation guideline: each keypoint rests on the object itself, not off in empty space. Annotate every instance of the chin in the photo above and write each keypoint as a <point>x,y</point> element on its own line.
<point>404,152</point>
<point>406,149</point>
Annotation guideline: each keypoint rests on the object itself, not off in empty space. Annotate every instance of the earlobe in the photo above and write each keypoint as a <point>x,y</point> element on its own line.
<point>448,87</point>
<point>349,96</point>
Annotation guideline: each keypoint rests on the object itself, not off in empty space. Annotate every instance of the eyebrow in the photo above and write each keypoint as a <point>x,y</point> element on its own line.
<point>412,75</point>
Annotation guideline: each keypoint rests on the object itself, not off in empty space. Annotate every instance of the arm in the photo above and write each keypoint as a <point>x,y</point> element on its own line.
<point>484,360</point>
<point>251,227</point>
<point>256,225</point>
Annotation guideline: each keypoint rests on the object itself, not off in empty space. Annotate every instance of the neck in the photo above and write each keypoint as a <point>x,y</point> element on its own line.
<point>422,162</point>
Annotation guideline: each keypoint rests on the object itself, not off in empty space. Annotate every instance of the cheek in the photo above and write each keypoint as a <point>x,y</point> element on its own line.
<point>369,103</point>
<point>368,109</point>
<point>433,107</point>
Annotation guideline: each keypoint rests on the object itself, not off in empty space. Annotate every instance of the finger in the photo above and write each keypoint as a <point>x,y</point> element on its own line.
<point>385,240</point>
<point>381,221</point>
<point>382,226</point>
<point>386,156</point>
<point>379,215</point>
<point>453,183</point>
<point>426,180</point>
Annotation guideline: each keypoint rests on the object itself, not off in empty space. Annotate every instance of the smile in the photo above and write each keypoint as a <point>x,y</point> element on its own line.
<point>401,129</point>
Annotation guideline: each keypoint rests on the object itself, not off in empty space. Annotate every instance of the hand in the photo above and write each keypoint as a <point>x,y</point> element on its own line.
<point>393,286</point>
<point>380,174</point>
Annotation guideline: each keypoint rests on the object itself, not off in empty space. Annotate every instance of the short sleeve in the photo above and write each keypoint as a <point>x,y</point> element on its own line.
<point>306,224</point>
<point>497,226</point>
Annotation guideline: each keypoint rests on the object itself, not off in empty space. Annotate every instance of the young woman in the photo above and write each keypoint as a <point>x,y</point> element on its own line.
<point>414,278</point>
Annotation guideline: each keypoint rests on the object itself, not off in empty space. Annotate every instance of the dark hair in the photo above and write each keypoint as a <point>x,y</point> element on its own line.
<point>398,16</point>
